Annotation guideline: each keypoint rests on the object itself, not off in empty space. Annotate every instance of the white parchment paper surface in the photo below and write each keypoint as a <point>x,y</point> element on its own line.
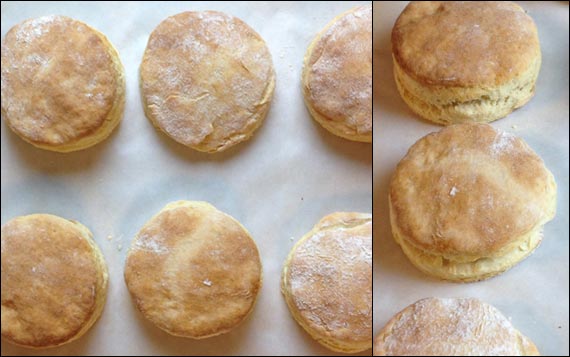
<point>278,184</point>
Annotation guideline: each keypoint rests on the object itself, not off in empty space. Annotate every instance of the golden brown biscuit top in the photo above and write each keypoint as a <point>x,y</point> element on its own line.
<point>204,75</point>
<point>451,327</point>
<point>49,280</point>
<point>59,80</point>
<point>339,70</point>
<point>470,190</point>
<point>464,43</point>
<point>329,277</point>
<point>193,270</point>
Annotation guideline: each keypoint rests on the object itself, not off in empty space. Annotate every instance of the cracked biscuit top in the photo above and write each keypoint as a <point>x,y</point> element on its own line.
<point>470,190</point>
<point>337,75</point>
<point>465,43</point>
<point>207,79</point>
<point>327,281</point>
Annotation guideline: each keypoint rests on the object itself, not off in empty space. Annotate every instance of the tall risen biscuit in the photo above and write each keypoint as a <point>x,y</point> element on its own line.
<point>468,61</point>
<point>207,80</point>
<point>451,327</point>
<point>193,271</point>
<point>327,282</point>
<point>469,202</point>
<point>63,84</point>
<point>54,281</point>
<point>337,75</point>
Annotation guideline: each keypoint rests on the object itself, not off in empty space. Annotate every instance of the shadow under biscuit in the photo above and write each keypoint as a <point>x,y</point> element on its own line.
<point>191,155</point>
<point>354,150</point>
<point>80,347</point>
<point>57,163</point>
<point>231,343</point>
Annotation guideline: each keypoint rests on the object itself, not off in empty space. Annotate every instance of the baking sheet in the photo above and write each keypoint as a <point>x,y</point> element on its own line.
<point>278,184</point>
<point>534,293</point>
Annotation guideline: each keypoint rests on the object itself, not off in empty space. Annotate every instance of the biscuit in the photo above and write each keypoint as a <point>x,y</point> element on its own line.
<point>337,75</point>
<point>469,202</point>
<point>193,271</point>
<point>206,79</point>
<point>451,327</point>
<point>327,282</point>
<point>465,62</point>
<point>63,84</point>
<point>54,281</point>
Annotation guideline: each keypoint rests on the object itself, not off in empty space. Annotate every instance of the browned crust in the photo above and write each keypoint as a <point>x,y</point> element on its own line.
<point>54,281</point>
<point>193,271</point>
<point>468,191</point>
<point>207,80</point>
<point>464,44</point>
<point>327,282</point>
<point>451,327</point>
<point>337,75</point>
<point>62,83</point>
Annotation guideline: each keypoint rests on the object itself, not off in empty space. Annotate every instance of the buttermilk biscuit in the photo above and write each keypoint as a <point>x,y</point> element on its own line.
<point>469,202</point>
<point>63,84</point>
<point>337,75</point>
<point>327,282</point>
<point>207,80</point>
<point>193,271</point>
<point>54,281</point>
<point>451,327</point>
<point>465,61</point>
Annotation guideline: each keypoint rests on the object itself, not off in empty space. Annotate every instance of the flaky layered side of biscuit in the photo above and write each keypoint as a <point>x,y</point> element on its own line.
<point>336,77</point>
<point>305,283</point>
<point>468,268</point>
<point>469,202</point>
<point>454,104</point>
<point>465,61</point>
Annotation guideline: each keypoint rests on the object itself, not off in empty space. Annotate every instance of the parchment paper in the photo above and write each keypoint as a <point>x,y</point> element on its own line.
<point>278,184</point>
<point>535,292</point>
